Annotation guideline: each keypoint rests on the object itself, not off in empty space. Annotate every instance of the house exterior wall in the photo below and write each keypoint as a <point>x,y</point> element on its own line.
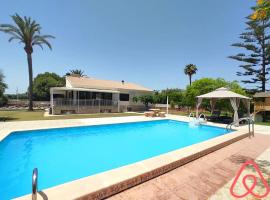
<point>131,105</point>
<point>262,105</point>
<point>71,104</point>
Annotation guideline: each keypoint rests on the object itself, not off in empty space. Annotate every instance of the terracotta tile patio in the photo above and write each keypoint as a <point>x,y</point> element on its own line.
<point>201,178</point>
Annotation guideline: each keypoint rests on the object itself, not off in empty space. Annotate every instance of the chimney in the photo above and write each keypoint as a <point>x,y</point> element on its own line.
<point>123,82</point>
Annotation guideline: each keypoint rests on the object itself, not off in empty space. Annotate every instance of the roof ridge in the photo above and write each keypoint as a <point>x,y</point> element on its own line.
<point>88,82</point>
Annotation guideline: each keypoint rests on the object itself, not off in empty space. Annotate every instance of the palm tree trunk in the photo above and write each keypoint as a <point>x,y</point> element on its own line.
<point>30,88</point>
<point>189,79</point>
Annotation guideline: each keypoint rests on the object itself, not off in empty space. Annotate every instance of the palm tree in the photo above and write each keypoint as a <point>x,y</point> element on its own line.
<point>27,32</point>
<point>76,72</point>
<point>190,70</point>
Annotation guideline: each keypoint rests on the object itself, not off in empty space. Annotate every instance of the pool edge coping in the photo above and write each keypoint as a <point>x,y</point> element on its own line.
<point>108,183</point>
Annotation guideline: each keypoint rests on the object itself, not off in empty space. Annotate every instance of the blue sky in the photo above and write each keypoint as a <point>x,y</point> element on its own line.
<point>143,41</point>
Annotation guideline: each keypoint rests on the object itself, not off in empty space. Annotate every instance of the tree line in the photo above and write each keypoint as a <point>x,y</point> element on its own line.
<point>186,98</point>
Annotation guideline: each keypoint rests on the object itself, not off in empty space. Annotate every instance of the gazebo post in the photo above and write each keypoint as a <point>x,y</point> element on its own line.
<point>213,104</point>
<point>199,101</point>
<point>235,104</point>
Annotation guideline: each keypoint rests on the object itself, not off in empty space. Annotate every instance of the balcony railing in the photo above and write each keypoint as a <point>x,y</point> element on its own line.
<point>261,106</point>
<point>84,102</point>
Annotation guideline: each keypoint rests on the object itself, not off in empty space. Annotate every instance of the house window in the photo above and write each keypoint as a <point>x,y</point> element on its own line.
<point>84,95</point>
<point>58,96</point>
<point>106,96</point>
<point>124,97</point>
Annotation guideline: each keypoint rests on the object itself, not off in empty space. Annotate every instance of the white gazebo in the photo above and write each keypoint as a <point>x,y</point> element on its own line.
<point>225,93</point>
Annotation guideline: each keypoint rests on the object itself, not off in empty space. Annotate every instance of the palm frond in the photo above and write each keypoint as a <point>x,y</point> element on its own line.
<point>26,31</point>
<point>39,40</point>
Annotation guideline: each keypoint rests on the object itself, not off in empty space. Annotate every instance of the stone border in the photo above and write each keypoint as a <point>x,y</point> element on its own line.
<point>119,187</point>
<point>108,183</point>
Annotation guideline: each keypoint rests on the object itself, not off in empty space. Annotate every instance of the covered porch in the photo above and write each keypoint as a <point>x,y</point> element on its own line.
<point>65,100</point>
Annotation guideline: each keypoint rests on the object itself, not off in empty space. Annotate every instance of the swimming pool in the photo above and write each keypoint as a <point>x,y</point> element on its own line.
<point>67,154</point>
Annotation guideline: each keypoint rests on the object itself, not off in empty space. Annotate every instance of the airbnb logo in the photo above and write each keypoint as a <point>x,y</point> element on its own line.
<point>249,188</point>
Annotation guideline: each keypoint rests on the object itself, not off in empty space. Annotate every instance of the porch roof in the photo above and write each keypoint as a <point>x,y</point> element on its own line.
<point>81,89</point>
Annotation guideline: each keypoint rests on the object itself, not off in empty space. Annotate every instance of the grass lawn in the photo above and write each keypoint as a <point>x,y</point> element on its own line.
<point>263,123</point>
<point>24,115</point>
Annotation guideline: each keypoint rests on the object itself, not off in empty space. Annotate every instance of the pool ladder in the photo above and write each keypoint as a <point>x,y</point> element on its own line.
<point>35,184</point>
<point>193,117</point>
<point>202,115</point>
<point>250,125</point>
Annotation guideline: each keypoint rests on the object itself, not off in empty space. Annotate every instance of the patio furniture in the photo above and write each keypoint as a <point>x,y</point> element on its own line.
<point>162,114</point>
<point>146,114</point>
<point>155,110</point>
<point>214,116</point>
<point>226,119</point>
<point>149,114</point>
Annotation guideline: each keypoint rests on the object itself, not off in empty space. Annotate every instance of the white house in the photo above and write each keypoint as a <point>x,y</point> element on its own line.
<point>88,95</point>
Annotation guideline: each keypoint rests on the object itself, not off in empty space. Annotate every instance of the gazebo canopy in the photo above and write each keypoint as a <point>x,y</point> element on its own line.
<point>225,93</point>
<point>222,93</point>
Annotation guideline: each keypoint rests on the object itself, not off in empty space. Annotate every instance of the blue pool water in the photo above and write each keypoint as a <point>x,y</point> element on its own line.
<point>66,154</point>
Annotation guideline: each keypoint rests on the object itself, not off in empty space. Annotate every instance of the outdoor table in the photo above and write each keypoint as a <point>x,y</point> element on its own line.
<point>156,111</point>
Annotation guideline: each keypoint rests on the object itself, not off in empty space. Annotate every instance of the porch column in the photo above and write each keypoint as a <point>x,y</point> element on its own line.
<point>198,106</point>
<point>74,97</point>
<point>118,101</point>
<point>78,101</point>
<point>115,99</point>
<point>213,104</point>
<point>51,102</point>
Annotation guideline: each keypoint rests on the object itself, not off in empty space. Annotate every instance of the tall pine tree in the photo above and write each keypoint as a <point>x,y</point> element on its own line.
<point>255,59</point>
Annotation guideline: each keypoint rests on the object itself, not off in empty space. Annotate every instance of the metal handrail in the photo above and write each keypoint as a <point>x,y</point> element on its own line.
<point>204,116</point>
<point>35,184</point>
<point>248,119</point>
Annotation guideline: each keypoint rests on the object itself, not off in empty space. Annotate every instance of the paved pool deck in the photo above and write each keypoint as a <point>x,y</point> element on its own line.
<point>209,177</point>
<point>206,177</point>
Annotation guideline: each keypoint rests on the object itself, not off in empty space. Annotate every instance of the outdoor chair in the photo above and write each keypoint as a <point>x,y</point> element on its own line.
<point>214,116</point>
<point>226,119</point>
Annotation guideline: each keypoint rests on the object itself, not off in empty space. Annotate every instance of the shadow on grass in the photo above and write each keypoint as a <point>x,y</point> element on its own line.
<point>4,119</point>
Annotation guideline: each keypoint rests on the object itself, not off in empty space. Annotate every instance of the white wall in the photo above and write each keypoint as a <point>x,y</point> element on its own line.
<point>132,94</point>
